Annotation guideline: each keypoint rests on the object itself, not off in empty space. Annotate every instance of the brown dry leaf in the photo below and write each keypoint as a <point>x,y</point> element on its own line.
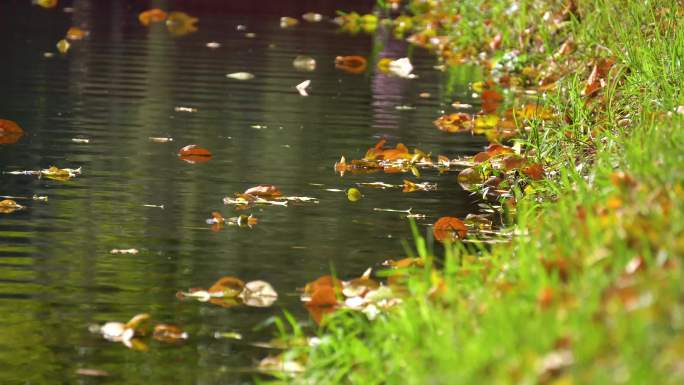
<point>596,80</point>
<point>230,287</point>
<point>326,280</point>
<point>449,229</point>
<point>263,191</point>
<point>378,152</point>
<point>150,16</point>
<point>323,296</point>
<point>194,154</point>
<point>490,101</point>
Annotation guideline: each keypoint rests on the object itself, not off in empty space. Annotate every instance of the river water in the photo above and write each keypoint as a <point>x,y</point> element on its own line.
<point>122,85</point>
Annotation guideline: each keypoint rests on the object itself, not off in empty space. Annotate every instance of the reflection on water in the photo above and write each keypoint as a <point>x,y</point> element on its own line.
<point>120,86</point>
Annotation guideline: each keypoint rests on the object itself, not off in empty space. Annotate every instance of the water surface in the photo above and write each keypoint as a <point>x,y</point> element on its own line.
<point>120,86</point>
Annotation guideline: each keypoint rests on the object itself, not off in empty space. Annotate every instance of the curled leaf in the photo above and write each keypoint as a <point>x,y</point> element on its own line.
<point>230,287</point>
<point>263,191</point>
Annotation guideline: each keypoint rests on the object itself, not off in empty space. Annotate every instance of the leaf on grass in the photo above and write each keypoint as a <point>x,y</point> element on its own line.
<point>596,80</point>
<point>535,171</point>
<point>258,294</point>
<point>194,154</point>
<point>449,229</point>
<point>150,16</point>
<point>351,64</point>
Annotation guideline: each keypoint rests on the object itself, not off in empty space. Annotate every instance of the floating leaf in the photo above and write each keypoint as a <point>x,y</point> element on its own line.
<point>456,122</point>
<point>194,154</point>
<point>90,372</point>
<point>351,64</point>
<point>160,139</point>
<point>150,16</point>
<point>61,174</point>
<point>240,76</point>
<point>258,294</point>
<point>301,87</point>
<point>449,229</point>
<point>304,63</point>
<point>230,287</point>
<point>401,67</point>
<point>180,23</point>
<point>10,132</point>
<point>8,206</point>
<point>323,296</point>
<point>287,22</point>
<point>312,17</point>
<point>75,33</point>
<point>124,251</point>
<point>486,121</point>
<point>46,3</point>
<point>410,186</point>
<point>469,177</point>
<point>354,195</point>
<point>63,46</point>
<point>168,333</point>
<point>263,191</point>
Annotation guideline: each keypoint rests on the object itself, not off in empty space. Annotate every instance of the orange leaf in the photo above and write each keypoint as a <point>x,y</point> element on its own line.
<point>490,101</point>
<point>264,191</point>
<point>351,64</point>
<point>75,33</point>
<point>534,171</point>
<point>154,15</point>
<point>10,132</point>
<point>512,162</point>
<point>326,280</point>
<point>455,122</point>
<point>194,154</point>
<point>449,229</point>
<point>230,287</point>
<point>323,296</point>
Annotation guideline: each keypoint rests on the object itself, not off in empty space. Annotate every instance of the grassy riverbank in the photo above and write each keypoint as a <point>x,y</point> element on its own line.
<point>589,290</point>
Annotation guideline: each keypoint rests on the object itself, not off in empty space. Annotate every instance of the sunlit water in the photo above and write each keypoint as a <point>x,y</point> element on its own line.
<point>121,86</point>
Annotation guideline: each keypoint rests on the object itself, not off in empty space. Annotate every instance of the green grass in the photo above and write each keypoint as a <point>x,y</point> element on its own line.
<point>560,304</point>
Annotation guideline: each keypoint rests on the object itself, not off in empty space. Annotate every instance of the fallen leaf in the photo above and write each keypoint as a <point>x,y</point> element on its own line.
<point>449,229</point>
<point>46,3</point>
<point>263,191</point>
<point>535,171</point>
<point>287,22</point>
<point>75,33</point>
<point>455,122</point>
<point>194,154</point>
<point>10,132</point>
<point>354,195</point>
<point>301,87</point>
<point>323,296</point>
<point>240,76</point>
<point>351,64</point>
<point>401,67</point>
<point>168,333</point>
<point>8,206</point>
<point>150,16</point>
<point>312,17</point>
<point>304,63</point>
<point>61,174</point>
<point>180,23</point>
<point>258,294</point>
<point>92,372</point>
<point>63,46</point>
<point>230,287</point>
